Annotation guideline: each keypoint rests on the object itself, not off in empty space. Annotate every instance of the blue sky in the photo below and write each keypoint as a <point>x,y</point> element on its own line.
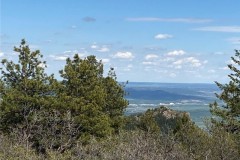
<point>145,41</point>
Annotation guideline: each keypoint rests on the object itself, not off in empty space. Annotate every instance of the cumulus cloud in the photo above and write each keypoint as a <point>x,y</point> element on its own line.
<point>180,20</point>
<point>163,36</point>
<point>233,29</point>
<point>151,56</point>
<point>89,19</point>
<point>98,48</point>
<point>176,53</point>
<point>1,54</point>
<point>105,60</point>
<point>66,52</point>
<point>124,55</point>
<point>149,63</point>
<point>65,55</point>
<point>167,59</point>
<point>103,49</point>
<point>59,57</point>
<point>194,62</point>
<point>94,46</point>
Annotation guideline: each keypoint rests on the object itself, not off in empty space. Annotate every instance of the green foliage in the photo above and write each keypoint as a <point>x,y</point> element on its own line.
<point>77,117</point>
<point>56,115</point>
<point>223,145</point>
<point>194,140</point>
<point>228,115</point>
<point>115,103</point>
<point>96,103</point>
<point>24,87</point>
<point>159,119</point>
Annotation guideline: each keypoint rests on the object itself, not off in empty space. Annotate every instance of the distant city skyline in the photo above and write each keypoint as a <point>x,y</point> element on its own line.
<point>145,41</point>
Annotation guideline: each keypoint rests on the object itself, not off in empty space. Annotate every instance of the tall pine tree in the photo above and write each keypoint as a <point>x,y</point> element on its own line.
<point>25,87</point>
<point>84,94</point>
<point>228,115</point>
<point>115,101</point>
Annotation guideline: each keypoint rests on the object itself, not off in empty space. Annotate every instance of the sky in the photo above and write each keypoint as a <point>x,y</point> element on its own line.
<point>173,41</point>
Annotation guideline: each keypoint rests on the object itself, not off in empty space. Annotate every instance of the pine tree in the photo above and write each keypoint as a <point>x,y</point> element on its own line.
<point>25,87</point>
<point>228,115</point>
<point>84,94</point>
<point>115,101</point>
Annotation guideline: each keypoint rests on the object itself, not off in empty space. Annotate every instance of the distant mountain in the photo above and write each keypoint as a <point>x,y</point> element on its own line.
<point>148,94</point>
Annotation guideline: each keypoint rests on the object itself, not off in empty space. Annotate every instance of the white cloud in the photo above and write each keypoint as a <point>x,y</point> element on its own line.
<point>176,53</point>
<point>105,60</point>
<point>151,56</point>
<point>163,36</point>
<point>65,55</point>
<point>148,63</point>
<point>66,52</point>
<point>103,49</point>
<point>156,19</point>
<point>233,29</point>
<point>168,59</point>
<point>81,55</point>
<point>59,58</point>
<point>98,48</point>
<point>179,62</point>
<point>124,55</point>
<point>189,60</point>
<point>94,46</point>
<point>1,54</point>
<point>195,62</point>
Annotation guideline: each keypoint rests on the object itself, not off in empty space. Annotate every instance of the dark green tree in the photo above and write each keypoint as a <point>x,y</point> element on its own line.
<point>25,86</point>
<point>228,114</point>
<point>115,101</point>
<point>96,102</point>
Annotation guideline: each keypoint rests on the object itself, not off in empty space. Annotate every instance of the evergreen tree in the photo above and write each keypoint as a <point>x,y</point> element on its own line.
<point>228,115</point>
<point>25,86</point>
<point>115,101</point>
<point>84,94</point>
